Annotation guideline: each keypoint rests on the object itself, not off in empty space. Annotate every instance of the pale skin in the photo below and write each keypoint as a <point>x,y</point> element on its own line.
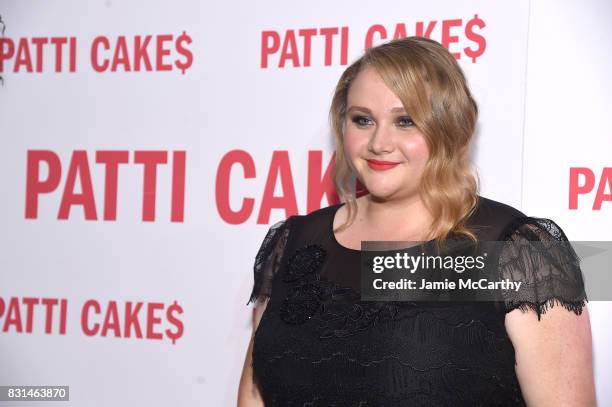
<point>553,355</point>
<point>248,392</point>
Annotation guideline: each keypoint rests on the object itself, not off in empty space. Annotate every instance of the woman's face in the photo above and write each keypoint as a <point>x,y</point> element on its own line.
<point>384,148</point>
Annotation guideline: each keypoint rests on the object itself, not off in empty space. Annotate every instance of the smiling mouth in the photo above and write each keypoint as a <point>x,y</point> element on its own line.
<point>378,165</point>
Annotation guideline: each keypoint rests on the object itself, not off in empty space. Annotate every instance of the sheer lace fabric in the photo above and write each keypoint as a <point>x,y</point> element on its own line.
<point>537,253</point>
<point>267,260</point>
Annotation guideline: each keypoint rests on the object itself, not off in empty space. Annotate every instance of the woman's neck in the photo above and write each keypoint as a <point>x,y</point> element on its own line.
<point>399,217</point>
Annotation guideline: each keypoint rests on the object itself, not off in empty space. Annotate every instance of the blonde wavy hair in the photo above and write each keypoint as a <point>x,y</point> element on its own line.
<point>434,91</point>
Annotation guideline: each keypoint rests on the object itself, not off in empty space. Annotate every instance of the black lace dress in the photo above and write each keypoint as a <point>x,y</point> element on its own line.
<point>318,344</point>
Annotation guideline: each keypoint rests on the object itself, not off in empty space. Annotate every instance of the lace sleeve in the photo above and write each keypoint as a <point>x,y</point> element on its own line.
<point>267,260</point>
<point>537,253</point>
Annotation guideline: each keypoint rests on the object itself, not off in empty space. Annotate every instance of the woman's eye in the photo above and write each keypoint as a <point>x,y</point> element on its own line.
<point>360,120</point>
<point>405,122</point>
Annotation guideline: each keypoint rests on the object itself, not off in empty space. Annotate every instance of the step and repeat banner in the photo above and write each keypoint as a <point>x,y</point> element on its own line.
<point>147,146</point>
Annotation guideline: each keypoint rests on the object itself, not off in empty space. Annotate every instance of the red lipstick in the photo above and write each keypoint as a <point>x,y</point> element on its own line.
<point>378,165</point>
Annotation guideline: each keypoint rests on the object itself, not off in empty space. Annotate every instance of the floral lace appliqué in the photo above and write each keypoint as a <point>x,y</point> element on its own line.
<point>304,263</point>
<point>305,293</point>
<point>339,309</point>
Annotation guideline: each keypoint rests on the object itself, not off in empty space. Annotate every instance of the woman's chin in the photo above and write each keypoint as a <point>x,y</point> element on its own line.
<point>382,193</point>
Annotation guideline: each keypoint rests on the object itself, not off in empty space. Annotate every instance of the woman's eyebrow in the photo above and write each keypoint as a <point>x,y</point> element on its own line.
<point>368,111</point>
<point>360,108</point>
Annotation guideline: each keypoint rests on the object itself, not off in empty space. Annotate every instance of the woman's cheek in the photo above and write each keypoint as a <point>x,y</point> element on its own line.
<point>416,149</point>
<point>353,145</point>
<point>354,142</point>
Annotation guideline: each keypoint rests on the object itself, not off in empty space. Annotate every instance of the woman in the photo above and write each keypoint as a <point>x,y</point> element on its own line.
<point>403,119</point>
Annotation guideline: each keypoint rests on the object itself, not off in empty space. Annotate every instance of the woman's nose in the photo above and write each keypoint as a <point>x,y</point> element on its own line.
<point>381,141</point>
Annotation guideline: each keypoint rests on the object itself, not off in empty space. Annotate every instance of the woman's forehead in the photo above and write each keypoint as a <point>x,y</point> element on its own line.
<point>369,88</point>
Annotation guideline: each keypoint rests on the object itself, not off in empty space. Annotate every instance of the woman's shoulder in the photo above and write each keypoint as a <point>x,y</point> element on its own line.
<point>316,218</point>
<point>490,207</point>
<point>535,252</point>
<point>495,220</point>
<point>490,218</point>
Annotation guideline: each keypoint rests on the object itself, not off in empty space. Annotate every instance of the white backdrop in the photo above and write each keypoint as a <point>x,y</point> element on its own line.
<point>225,108</point>
<point>568,125</point>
